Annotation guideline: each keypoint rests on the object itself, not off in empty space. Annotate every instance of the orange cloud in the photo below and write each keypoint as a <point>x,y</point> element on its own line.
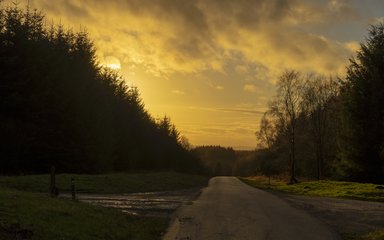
<point>214,49</point>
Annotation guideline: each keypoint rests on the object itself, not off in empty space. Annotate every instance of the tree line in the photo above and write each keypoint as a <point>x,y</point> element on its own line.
<point>323,127</point>
<point>218,161</point>
<point>60,107</point>
<point>225,161</point>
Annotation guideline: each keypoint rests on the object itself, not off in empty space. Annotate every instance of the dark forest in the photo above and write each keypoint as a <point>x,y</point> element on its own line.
<point>60,108</point>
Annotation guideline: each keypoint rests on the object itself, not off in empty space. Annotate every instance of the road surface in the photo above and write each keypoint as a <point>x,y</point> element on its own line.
<point>230,209</point>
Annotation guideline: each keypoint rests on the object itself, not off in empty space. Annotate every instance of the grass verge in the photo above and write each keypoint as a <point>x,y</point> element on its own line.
<point>26,215</point>
<point>377,235</point>
<point>107,183</point>
<point>374,235</point>
<point>324,188</point>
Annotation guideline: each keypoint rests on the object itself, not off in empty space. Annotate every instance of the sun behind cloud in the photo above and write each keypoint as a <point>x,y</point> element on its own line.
<point>216,54</point>
<point>112,62</point>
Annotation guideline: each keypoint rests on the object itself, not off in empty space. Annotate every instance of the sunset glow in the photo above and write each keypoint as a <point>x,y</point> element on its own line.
<point>211,65</point>
<point>114,66</point>
<point>112,63</point>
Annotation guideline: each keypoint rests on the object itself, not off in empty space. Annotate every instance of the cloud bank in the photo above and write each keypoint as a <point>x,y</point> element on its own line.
<point>167,35</point>
<point>216,53</point>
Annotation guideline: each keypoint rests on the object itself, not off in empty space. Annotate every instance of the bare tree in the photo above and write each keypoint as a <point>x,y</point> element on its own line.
<point>317,94</point>
<point>266,136</point>
<point>286,107</point>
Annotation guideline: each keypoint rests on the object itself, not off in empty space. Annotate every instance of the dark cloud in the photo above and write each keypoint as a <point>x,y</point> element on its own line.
<point>130,33</point>
<point>192,35</point>
<point>245,111</point>
<point>246,13</point>
<point>70,8</point>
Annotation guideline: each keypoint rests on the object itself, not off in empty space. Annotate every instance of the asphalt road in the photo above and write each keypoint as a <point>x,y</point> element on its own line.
<point>230,209</point>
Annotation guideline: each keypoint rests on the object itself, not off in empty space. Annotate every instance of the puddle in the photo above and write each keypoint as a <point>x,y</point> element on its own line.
<point>142,204</point>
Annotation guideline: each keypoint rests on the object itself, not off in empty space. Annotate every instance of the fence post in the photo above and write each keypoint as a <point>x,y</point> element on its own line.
<point>73,189</point>
<point>52,187</point>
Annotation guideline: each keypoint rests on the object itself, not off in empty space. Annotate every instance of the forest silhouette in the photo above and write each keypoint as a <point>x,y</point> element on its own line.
<point>59,107</point>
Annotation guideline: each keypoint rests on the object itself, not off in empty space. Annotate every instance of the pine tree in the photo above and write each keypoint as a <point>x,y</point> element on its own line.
<point>363,94</point>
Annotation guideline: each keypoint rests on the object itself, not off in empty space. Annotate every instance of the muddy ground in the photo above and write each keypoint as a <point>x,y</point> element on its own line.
<point>142,204</point>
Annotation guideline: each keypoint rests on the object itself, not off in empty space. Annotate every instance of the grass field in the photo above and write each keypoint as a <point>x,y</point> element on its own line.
<point>324,188</point>
<point>27,211</point>
<point>26,215</point>
<point>107,183</point>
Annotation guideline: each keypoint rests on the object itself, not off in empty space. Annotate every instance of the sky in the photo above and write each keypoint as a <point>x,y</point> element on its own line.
<point>211,65</point>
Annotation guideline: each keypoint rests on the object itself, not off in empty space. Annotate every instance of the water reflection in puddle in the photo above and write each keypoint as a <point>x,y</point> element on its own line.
<point>143,204</point>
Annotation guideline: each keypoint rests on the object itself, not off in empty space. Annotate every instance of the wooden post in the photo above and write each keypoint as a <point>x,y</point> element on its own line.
<point>73,189</point>
<point>269,179</point>
<point>52,187</point>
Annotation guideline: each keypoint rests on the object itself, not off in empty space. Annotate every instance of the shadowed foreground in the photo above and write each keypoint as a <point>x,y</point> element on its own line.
<point>229,209</point>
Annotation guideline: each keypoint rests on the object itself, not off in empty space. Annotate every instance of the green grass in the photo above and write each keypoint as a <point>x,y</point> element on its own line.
<point>26,215</point>
<point>377,235</point>
<point>107,183</point>
<point>374,235</point>
<point>27,212</point>
<point>324,188</point>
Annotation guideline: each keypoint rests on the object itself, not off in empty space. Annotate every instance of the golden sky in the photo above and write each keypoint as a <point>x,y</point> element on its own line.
<point>211,65</point>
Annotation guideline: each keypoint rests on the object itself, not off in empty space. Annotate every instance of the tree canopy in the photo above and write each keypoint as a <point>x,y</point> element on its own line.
<point>363,98</point>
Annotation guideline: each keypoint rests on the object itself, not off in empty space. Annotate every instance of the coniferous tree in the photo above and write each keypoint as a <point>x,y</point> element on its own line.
<point>59,107</point>
<point>363,115</point>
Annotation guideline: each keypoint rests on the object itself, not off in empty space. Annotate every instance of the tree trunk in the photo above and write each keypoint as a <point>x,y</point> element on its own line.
<point>292,160</point>
<point>321,161</point>
<point>269,179</point>
<point>318,162</point>
<point>52,187</point>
